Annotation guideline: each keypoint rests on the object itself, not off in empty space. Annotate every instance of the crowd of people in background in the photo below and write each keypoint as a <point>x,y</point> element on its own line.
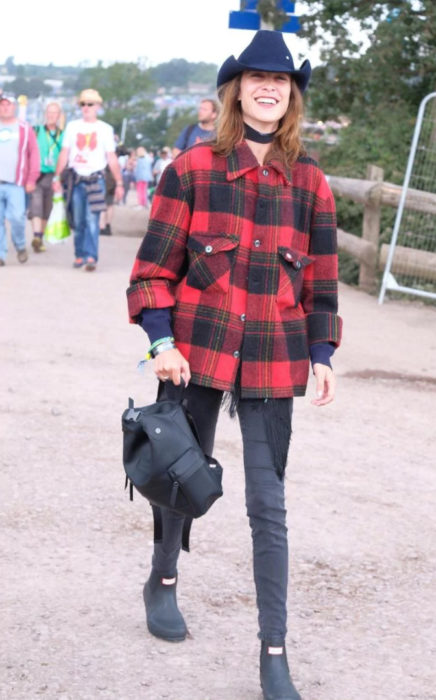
<point>85,161</point>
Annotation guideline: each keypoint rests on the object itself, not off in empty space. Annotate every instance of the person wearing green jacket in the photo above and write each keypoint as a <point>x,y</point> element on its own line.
<point>49,137</point>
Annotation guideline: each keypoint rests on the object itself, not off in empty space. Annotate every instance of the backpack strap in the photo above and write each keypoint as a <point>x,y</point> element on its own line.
<point>189,131</point>
<point>158,528</point>
<point>157,523</point>
<point>172,392</point>
<point>129,484</point>
<point>185,534</point>
<point>176,393</point>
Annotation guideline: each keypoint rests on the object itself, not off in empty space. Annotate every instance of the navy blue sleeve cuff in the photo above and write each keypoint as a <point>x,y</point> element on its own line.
<point>156,323</point>
<point>321,352</point>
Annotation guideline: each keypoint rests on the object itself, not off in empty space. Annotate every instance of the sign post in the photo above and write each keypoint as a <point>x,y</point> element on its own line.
<point>249,18</point>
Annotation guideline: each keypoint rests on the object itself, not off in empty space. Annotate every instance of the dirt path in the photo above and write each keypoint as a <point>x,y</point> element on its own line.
<point>75,552</point>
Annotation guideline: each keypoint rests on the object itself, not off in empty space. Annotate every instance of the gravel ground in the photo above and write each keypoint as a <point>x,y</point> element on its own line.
<point>75,552</point>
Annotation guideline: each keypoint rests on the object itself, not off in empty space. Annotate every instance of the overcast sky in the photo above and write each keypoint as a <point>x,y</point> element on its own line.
<point>154,31</point>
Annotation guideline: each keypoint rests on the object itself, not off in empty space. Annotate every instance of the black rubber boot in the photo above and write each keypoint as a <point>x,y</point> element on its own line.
<point>164,618</point>
<point>274,673</point>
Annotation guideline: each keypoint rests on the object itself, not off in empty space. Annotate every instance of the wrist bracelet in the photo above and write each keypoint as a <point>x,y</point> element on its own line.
<point>152,350</point>
<point>167,339</point>
<point>162,348</point>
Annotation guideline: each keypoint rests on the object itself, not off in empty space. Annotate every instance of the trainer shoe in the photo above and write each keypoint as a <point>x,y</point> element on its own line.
<point>91,264</point>
<point>79,262</point>
<point>22,256</point>
<point>38,245</point>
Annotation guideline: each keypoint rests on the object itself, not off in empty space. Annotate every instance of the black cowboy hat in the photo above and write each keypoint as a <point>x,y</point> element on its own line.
<point>266,52</point>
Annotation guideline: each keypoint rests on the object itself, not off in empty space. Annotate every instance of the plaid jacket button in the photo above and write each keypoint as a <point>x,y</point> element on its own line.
<point>208,249</point>
<point>288,256</point>
<point>297,264</point>
<point>236,353</point>
<point>265,172</point>
<point>243,317</point>
<point>257,243</point>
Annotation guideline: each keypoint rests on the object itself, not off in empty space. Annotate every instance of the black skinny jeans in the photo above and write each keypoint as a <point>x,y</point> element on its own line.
<point>265,503</point>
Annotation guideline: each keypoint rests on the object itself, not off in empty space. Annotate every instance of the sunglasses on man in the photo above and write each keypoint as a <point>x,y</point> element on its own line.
<point>87,104</point>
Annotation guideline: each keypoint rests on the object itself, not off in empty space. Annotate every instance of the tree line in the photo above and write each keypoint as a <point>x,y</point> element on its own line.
<point>378,63</point>
<point>375,76</point>
<point>128,90</point>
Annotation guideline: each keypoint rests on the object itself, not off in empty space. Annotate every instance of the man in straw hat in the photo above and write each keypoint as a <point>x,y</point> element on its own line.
<point>88,146</point>
<point>235,284</point>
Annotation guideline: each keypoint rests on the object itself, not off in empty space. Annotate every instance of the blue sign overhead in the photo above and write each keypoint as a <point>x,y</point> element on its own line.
<point>284,5</point>
<point>292,25</point>
<point>244,20</point>
<point>249,18</point>
<point>287,6</point>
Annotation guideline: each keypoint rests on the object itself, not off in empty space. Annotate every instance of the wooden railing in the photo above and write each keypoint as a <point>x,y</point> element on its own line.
<point>373,193</point>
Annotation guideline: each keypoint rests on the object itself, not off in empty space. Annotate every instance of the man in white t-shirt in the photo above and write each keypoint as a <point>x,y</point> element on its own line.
<point>88,146</point>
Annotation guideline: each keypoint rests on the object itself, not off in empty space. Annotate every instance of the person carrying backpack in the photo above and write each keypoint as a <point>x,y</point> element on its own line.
<point>235,283</point>
<point>203,130</point>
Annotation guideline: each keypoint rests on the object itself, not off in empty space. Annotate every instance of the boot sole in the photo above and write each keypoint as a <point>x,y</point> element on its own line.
<point>156,632</point>
<point>265,696</point>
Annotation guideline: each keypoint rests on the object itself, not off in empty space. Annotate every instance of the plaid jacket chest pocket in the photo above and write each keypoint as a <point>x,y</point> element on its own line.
<point>291,273</point>
<point>211,260</point>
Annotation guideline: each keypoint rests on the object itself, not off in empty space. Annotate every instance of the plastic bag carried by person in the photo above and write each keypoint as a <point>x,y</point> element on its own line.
<point>57,228</point>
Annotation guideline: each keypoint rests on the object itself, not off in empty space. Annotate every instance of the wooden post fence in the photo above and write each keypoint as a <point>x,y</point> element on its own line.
<point>371,230</point>
<point>373,193</point>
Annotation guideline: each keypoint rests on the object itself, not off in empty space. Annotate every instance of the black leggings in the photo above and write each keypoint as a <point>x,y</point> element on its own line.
<point>265,503</point>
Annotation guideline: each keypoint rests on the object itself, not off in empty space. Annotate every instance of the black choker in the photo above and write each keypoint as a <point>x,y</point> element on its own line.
<point>253,135</point>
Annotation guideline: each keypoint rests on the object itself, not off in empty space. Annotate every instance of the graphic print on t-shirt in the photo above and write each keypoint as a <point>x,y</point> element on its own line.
<point>85,142</point>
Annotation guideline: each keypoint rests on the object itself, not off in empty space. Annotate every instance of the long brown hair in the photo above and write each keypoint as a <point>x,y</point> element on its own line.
<point>287,144</point>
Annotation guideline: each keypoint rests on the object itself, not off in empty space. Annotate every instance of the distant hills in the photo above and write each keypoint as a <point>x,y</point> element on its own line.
<point>35,80</point>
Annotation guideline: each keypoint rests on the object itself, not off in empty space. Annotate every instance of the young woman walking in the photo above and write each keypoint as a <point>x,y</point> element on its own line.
<point>235,284</point>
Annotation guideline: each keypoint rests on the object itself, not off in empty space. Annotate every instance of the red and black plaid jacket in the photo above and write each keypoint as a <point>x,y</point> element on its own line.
<point>246,256</point>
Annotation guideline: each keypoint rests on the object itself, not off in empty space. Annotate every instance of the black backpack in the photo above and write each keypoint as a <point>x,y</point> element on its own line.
<point>163,459</point>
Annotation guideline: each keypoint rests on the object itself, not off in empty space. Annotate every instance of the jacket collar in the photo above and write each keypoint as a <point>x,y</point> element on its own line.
<point>242,159</point>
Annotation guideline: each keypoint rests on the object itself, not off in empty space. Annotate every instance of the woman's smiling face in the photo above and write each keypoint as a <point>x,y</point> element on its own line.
<point>264,98</point>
